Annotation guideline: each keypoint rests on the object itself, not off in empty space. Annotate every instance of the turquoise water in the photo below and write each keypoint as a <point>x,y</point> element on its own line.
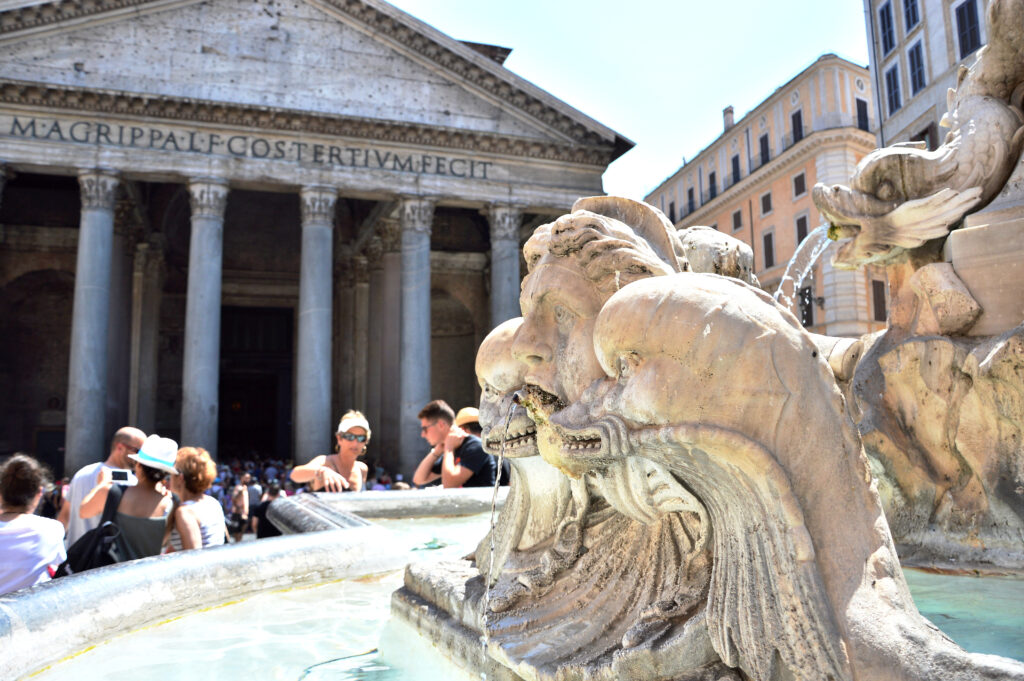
<point>982,614</point>
<point>331,632</point>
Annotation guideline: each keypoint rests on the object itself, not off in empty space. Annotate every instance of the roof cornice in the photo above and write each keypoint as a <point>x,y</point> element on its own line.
<point>809,146</point>
<point>177,109</point>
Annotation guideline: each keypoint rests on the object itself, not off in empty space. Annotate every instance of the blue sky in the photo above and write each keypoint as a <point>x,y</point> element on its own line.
<point>656,72</point>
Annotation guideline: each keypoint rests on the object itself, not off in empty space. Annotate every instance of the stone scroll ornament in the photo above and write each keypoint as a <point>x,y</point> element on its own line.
<point>680,457</point>
<point>903,196</point>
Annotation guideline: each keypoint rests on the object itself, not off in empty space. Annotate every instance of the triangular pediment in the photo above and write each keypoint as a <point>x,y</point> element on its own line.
<point>358,59</point>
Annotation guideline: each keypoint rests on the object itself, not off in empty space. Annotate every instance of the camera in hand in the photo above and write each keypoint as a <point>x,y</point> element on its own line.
<point>123,476</point>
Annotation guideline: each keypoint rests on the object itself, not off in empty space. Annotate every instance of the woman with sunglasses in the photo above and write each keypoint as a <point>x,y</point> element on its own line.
<point>339,472</point>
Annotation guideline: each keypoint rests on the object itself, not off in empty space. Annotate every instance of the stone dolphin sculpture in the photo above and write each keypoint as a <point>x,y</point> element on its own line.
<point>903,196</point>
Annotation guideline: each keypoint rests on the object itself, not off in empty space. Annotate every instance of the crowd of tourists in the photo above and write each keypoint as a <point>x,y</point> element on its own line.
<point>151,497</point>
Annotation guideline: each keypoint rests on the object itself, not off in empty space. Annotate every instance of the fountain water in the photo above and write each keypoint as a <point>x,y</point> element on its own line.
<point>799,266</point>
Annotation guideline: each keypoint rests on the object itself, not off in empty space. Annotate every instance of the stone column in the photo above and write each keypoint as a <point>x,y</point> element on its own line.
<point>127,229</point>
<point>505,221</point>
<point>87,373</point>
<point>390,315</point>
<point>374,251</point>
<point>344,346</point>
<point>201,374</point>
<point>148,275</point>
<point>313,359</point>
<point>417,216</point>
<point>361,323</point>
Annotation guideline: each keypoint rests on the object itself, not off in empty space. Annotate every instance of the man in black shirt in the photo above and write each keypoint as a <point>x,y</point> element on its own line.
<point>457,458</point>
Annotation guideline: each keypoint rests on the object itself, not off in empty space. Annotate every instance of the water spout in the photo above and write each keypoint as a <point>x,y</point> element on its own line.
<point>799,266</point>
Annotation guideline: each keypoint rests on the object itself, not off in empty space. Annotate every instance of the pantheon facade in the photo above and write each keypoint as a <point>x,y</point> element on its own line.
<point>229,221</point>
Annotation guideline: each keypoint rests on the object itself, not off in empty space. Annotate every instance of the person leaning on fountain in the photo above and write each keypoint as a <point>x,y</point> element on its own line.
<point>339,472</point>
<point>457,458</point>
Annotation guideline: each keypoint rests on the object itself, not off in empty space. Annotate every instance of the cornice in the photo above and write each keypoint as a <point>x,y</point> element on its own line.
<point>179,109</point>
<point>394,29</point>
<point>49,15</point>
<point>809,146</point>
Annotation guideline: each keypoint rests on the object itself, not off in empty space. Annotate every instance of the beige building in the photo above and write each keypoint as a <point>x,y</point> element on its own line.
<point>228,221</point>
<point>754,183</point>
<point>916,49</point>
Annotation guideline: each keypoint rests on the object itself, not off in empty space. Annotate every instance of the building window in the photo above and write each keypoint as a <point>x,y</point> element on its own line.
<point>766,203</point>
<point>735,168</point>
<point>797,118</point>
<point>799,185</point>
<point>763,142</point>
<point>930,136</point>
<point>915,59</point>
<point>801,229</point>
<point>737,220</point>
<point>892,89</point>
<point>887,28</point>
<point>968,30</point>
<point>862,115</point>
<point>691,203</point>
<point>910,14</point>
<point>672,211</point>
<point>768,241</point>
<point>878,298</point>
<point>805,299</point>
<point>712,185</point>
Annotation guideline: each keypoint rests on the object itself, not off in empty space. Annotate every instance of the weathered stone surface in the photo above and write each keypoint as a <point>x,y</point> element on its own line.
<point>715,516</point>
<point>943,419</point>
<point>949,309</point>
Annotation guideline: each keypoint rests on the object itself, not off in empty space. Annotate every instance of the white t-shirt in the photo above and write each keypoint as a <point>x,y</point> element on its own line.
<point>28,545</point>
<point>82,484</point>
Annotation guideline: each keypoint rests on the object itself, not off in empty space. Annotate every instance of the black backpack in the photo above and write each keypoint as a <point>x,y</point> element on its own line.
<point>100,546</point>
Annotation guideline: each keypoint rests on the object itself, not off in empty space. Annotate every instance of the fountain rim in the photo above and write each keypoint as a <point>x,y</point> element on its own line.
<point>144,592</point>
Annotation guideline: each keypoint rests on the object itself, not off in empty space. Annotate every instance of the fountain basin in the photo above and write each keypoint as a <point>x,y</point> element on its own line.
<point>45,624</point>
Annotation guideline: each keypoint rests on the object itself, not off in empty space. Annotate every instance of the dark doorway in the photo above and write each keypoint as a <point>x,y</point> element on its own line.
<point>255,383</point>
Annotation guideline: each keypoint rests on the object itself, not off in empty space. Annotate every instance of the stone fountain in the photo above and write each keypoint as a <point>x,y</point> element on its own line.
<point>691,496</point>
<point>939,395</point>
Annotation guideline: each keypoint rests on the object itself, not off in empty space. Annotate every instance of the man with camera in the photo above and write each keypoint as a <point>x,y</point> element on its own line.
<point>126,441</point>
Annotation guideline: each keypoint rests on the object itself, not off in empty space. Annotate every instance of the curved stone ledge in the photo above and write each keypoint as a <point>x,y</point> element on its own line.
<point>47,623</point>
<point>324,511</point>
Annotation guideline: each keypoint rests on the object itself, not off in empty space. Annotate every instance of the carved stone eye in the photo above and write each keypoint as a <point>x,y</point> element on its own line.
<point>885,191</point>
<point>627,364</point>
<point>563,315</point>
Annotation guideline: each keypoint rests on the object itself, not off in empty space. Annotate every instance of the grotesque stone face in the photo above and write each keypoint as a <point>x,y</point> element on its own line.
<point>507,429</point>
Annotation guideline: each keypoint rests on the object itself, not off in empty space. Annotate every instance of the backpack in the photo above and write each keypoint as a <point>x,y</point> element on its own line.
<point>100,546</point>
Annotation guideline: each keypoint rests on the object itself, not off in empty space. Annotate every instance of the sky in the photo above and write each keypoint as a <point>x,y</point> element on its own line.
<point>657,72</point>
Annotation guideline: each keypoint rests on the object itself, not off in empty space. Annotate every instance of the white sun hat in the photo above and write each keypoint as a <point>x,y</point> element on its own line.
<point>157,452</point>
<point>354,420</point>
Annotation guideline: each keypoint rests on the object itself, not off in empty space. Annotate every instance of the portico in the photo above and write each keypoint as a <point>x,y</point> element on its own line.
<point>354,210</point>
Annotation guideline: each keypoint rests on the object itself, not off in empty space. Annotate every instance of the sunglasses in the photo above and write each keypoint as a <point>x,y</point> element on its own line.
<point>350,437</point>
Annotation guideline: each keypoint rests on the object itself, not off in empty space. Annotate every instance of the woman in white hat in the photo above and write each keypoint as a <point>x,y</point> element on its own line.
<point>339,472</point>
<point>145,507</point>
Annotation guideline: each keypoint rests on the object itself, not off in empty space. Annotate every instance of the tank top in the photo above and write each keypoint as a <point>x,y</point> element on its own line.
<point>211,522</point>
<point>144,535</point>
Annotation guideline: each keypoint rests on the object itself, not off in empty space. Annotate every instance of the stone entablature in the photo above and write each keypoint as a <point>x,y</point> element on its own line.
<point>158,134</point>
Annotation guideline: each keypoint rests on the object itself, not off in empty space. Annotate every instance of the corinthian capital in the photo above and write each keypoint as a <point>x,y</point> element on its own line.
<point>505,221</point>
<point>417,215</point>
<point>318,205</point>
<point>208,198</point>
<point>390,232</point>
<point>99,188</point>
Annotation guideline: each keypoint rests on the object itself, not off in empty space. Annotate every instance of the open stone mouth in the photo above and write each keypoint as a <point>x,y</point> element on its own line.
<point>580,443</point>
<point>513,441</point>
